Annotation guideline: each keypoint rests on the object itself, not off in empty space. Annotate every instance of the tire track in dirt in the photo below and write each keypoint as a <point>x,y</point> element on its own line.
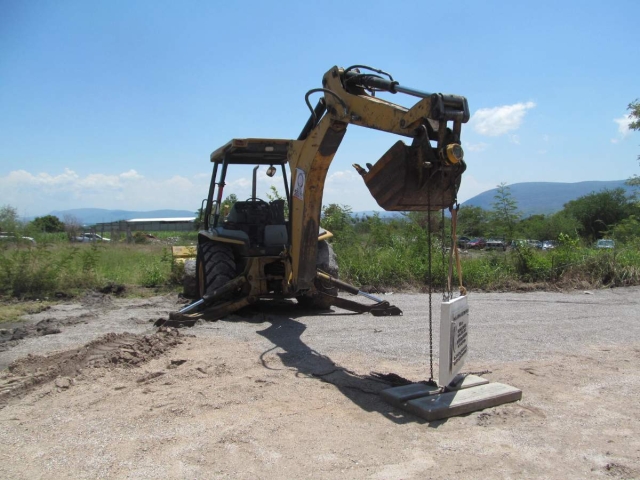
<point>123,350</point>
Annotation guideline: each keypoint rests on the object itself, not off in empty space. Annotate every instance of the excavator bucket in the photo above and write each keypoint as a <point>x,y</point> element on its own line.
<point>413,178</point>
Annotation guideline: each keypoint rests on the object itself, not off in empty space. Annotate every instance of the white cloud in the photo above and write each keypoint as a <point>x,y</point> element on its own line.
<point>476,147</point>
<point>623,127</point>
<point>623,124</point>
<point>500,120</point>
<point>515,139</point>
<point>346,187</point>
<point>242,186</point>
<point>470,187</point>
<point>131,174</point>
<point>241,183</point>
<point>343,186</point>
<point>38,194</point>
<point>342,177</point>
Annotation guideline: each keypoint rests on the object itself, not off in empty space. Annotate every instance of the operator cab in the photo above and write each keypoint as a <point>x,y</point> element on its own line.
<point>258,227</point>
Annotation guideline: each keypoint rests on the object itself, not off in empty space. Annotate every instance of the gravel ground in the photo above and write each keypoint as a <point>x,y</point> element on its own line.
<point>275,392</point>
<point>503,326</point>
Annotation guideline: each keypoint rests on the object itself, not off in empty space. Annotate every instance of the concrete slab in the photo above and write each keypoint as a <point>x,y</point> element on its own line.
<point>398,396</point>
<point>460,402</point>
<point>465,381</point>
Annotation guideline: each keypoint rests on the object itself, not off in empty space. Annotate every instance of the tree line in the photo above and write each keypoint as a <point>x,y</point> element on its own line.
<point>10,223</point>
<point>603,214</point>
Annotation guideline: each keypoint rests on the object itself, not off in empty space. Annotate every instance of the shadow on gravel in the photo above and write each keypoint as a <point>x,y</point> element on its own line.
<point>286,334</point>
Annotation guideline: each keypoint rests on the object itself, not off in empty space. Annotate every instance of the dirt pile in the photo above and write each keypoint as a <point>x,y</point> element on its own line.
<point>111,350</point>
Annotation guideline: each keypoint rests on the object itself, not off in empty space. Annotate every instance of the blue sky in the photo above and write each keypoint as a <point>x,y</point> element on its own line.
<point>117,104</point>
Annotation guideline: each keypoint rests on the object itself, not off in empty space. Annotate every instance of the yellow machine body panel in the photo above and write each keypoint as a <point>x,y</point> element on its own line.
<point>424,175</point>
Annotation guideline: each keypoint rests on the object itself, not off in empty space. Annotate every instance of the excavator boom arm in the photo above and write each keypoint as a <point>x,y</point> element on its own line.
<point>420,176</point>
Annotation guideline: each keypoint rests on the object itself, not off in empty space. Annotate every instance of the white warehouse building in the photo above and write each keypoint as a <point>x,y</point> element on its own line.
<point>168,224</point>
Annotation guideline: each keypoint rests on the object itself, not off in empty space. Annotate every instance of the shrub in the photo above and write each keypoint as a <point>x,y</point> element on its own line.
<point>531,266</point>
<point>152,275</point>
<point>140,237</point>
<point>30,272</point>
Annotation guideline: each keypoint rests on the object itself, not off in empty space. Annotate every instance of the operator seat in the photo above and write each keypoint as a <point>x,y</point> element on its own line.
<point>264,223</point>
<point>275,234</point>
<point>250,217</point>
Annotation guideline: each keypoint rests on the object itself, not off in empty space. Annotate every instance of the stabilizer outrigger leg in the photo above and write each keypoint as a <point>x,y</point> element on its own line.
<point>381,308</point>
<point>189,315</point>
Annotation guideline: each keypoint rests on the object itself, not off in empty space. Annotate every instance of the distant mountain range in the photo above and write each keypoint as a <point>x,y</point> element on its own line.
<point>544,197</point>
<point>532,198</point>
<point>90,216</point>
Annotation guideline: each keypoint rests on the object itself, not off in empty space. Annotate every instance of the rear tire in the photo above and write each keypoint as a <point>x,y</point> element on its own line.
<point>216,266</point>
<point>326,261</point>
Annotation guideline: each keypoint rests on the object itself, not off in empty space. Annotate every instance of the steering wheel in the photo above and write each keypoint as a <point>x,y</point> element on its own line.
<point>257,200</point>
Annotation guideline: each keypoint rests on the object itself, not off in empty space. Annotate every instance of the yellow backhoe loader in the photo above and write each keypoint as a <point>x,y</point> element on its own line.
<point>256,251</point>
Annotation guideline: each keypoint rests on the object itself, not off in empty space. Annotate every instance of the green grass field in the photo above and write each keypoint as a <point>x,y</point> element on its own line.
<point>47,269</point>
<point>397,261</point>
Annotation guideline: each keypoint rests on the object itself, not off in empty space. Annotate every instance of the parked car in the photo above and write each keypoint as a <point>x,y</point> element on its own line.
<point>91,237</point>
<point>496,244</point>
<point>535,244</point>
<point>549,244</point>
<point>12,237</point>
<point>526,243</point>
<point>478,243</point>
<point>463,241</point>
<point>605,243</point>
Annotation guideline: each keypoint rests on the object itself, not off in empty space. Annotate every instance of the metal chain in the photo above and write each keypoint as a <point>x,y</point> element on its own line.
<point>447,289</point>
<point>445,277</point>
<point>430,279</point>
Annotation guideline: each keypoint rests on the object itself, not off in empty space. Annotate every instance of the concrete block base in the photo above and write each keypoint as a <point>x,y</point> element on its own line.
<point>464,395</point>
